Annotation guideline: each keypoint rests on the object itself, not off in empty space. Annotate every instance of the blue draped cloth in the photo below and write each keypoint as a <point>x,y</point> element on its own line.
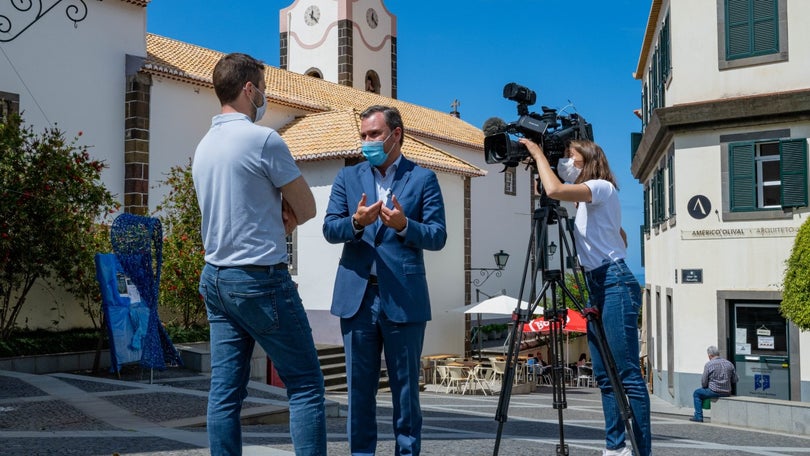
<point>130,283</point>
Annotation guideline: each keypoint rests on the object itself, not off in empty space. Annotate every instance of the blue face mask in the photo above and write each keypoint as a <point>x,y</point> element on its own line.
<point>374,151</point>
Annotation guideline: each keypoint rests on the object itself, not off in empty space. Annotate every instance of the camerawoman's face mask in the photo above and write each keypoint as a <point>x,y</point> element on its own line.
<point>567,171</point>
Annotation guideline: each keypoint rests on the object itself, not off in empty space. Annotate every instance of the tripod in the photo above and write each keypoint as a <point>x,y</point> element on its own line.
<point>550,213</point>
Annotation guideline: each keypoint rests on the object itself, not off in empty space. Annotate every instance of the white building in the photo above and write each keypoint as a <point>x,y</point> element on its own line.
<point>723,159</point>
<point>143,101</point>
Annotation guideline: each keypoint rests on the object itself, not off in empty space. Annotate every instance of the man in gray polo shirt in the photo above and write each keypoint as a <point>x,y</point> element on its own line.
<point>251,195</point>
<point>718,376</point>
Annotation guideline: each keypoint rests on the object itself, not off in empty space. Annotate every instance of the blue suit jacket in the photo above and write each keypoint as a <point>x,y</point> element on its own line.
<point>399,261</point>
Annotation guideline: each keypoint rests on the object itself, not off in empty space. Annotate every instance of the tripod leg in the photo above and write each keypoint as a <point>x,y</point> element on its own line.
<point>501,414</point>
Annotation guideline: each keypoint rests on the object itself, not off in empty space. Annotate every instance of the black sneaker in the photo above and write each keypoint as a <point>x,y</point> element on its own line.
<point>696,420</point>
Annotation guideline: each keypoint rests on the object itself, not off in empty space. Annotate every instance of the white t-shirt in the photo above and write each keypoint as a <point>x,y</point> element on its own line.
<point>238,170</point>
<point>598,224</point>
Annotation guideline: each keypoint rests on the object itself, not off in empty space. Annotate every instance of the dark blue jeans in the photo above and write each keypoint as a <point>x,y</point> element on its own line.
<point>616,293</point>
<point>699,395</point>
<point>248,305</point>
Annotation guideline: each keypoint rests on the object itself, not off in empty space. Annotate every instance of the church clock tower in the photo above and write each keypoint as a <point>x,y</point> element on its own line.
<point>350,42</point>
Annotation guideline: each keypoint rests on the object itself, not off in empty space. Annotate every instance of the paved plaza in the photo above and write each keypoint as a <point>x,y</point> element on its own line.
<point>78,414</point>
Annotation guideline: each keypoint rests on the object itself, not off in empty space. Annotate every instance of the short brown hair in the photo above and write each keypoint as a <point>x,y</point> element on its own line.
<point>232,72</point>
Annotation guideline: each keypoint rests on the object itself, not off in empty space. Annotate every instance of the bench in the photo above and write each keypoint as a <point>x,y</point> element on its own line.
<point>767,414</point>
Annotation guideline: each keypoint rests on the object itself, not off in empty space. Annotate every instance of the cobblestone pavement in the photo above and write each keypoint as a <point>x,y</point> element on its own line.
<point>79,414</point>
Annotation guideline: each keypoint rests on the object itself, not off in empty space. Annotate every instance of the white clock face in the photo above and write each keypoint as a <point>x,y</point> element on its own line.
<point>312,15</point>
<point>371,18</point>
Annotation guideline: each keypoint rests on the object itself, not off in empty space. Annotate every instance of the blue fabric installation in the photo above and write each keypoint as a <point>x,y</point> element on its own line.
<point>130,281</point>
<point>126,315</point>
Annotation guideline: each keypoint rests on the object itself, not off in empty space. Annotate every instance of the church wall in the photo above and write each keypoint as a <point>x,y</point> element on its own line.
<point>61,93</point>
<point>180,115</point>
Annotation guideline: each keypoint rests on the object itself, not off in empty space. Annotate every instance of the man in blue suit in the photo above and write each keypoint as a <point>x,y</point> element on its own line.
<point>385,211</point>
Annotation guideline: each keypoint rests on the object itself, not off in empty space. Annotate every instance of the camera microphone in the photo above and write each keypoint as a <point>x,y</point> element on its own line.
<point>493,125</point>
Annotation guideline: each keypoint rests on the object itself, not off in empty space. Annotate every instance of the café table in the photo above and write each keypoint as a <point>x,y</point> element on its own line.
<point>433,361</point>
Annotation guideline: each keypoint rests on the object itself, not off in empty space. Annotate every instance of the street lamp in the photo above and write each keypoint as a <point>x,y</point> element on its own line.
<point>552,249</point>
<point>501,258</point>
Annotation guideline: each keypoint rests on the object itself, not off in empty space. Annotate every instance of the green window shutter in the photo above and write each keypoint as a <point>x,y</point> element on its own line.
<point>671,187</point>
<point>666,62</point>
<point>765,27</point>
<point>742,179</point>
<point>662,215</point>
<point>655,202</point>
<point>635,141</point>
<point>641,240</point>
<point>646,226</point>
<point>793,169</point>
<point>752,28</point>
<point>645,107</point>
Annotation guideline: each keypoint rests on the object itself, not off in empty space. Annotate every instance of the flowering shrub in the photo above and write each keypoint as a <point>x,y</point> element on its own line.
<point>50,197</point>
<point>183,254</point>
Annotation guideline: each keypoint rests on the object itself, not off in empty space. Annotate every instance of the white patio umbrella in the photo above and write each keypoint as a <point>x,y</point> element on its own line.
<point>496,305</point>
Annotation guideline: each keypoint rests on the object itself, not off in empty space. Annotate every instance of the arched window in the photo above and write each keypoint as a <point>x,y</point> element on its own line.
<point>314,72</point>
<point>372,81</point>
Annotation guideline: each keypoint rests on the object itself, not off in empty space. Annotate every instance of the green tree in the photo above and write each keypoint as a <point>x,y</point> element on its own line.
<point>575,282</point>
<point>84,285</point>
<point>183,253</point>
<point>50,197</point>
<point>796,286</point>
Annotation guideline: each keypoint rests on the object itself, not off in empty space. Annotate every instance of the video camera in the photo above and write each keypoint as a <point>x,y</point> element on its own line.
<point>551,131</point>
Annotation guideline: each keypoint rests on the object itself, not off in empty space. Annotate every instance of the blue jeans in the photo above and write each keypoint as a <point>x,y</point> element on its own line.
<point>699,395</point>
<point>259,304</point>
<point>616,293</point>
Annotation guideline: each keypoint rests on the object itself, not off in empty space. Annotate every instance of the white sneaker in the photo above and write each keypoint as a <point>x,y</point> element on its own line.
<point>622,452</point>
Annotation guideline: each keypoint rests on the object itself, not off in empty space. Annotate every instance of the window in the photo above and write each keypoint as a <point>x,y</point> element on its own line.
<point>292,252</point>
<point>509,176</point>
<point>9,104</point>
<point>767,175</point>
<point>769,184</point>
<point>752,32</point>
<point>314,72</point>
<point>372,82</point>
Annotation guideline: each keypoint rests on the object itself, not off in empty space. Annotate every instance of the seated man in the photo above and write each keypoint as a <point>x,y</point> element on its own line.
<point>532,365</point>
<point>718,376</point>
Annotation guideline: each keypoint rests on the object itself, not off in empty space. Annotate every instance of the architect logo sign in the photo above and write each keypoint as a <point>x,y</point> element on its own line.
<point>699,207</point>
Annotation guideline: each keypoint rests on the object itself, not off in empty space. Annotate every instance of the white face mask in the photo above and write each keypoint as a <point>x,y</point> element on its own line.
<point>567,171</point>
<point>259,109</point>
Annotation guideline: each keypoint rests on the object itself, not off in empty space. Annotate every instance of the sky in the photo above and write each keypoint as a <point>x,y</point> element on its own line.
<point>579,53</point>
